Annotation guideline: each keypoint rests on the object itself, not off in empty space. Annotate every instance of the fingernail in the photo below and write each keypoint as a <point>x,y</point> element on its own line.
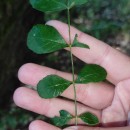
<point>50,22</point>
<point>72,128</point>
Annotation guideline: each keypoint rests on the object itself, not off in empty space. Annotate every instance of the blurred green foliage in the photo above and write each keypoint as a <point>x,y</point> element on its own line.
<point>104,19</point>
<point>14,118</point>
<point>108,20</point>
<point>108,17</point>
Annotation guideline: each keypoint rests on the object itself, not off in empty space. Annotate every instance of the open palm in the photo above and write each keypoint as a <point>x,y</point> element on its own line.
<point>110,102</point>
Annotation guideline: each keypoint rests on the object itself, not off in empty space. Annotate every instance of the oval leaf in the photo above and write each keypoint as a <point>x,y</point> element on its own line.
<point>78,44</point>
<point>55,5</point>
<point>89,118</point>
<point>64,118</point>
<point>49,5</point>
<point>52,86</point>
<point>91,73</point>
<point>64,113</point>
<point>45,39</point>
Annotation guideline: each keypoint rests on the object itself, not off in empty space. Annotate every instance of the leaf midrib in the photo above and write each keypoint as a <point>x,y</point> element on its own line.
<point>58,84</point>
<point>90,75</point>
<point>55,41</point>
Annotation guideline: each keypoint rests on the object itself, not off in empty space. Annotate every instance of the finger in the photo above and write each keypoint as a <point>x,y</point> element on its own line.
<point>87,94</point>
<point>96,128</point>
<point>100,53</point>
<point>30,100</point>
<point>120,107</point>
<point>40,125</point>
<point>93,94</point>
<point>31,73</point>
<point>129,118</point>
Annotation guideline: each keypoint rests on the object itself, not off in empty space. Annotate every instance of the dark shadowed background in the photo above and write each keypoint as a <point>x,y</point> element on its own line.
<point>107,20</point>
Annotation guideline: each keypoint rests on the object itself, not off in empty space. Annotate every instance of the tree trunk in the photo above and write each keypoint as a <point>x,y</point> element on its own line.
<point>16,19</point>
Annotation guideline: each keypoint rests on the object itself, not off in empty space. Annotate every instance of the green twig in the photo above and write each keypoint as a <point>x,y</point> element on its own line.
<point>72,63</point>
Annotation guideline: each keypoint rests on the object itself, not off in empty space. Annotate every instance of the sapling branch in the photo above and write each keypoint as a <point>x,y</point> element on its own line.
<point>43,39</point>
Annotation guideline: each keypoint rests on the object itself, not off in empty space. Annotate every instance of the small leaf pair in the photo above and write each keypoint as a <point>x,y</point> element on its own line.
<point>52,85</point>
<point>55,5</point>
<point>65,117</point>
<point>44,39</point>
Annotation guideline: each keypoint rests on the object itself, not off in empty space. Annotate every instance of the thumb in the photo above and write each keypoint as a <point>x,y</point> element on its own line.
<point>96,128</point>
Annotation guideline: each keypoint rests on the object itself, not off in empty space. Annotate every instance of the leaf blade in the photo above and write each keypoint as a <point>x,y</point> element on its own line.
<point>55,5</point>
<point>72,3</point>
<point>78,44</point>
<point>89,118</point>
<point>52,86</point>
<point>64,118</point>
<point>44,39</point>
<point>91,73</point>
<point>48,6</point>
<point>65,113</point>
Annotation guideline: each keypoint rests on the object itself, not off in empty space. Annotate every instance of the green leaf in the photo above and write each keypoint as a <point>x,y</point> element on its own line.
<point>55,5</point>
<point>91,73</point>
<point>89,118</point>
<point>64,118</point>
<point>72,3</point>
<point>78,44</point>
<point>52,86</point>
<point>49,5</point>
<point>45,39</point>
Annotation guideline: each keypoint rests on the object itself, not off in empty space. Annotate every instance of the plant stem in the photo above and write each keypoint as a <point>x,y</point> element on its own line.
<point>72,63</point>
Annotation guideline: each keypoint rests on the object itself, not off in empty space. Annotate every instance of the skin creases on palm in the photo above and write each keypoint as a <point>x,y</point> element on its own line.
<point>117,114</point>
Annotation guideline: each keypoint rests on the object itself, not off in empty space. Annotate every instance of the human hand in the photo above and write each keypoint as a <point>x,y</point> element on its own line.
<point>110,102</point>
